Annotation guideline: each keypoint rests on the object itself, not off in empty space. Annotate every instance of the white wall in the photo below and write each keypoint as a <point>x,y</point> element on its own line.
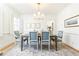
<point>1,21</point>
<point>71,35</point>
<point>6,19</point>
<point>7,16</point>
<point>29,19</point>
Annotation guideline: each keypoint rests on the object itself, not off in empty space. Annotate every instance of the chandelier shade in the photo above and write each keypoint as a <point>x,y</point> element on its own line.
<point>38,14</point>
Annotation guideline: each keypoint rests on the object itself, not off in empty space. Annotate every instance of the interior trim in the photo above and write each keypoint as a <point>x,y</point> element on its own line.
<point>71,47</point>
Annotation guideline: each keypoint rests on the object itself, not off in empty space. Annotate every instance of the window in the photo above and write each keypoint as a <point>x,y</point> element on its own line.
<point>16,24</point>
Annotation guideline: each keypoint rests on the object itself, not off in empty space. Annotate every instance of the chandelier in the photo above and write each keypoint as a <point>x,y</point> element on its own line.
<point>38,14</point>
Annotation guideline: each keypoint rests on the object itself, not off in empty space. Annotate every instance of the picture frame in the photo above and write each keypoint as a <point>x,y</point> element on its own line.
<point>35,25</point>
<point>38,25</point>
<point>72,22</point>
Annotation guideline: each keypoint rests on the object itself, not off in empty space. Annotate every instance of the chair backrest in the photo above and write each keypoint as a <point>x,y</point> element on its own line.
<point>17,33</point>
<point>33,35</point>
<point>45,35</point>
<point>60,34</point>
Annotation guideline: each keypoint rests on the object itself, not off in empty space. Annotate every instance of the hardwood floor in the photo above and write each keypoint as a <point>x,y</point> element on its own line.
<point>64,51</point>
<point>72,50</point>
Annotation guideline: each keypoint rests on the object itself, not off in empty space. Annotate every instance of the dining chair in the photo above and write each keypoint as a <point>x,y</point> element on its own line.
<point>17,35</point>
<point>59,37</point>
<point>33,39</point>
<point>45,39</point>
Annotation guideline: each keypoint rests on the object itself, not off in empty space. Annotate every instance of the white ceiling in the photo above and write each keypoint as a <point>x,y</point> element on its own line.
<point>51,8</point>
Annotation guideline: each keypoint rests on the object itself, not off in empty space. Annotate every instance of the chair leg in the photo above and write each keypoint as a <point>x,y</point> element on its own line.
<point>41,46</point>
<point>37,45</point>
<point>49,46</point>
<point>30,44</point>
<point>21,44</point>
<point>61,45</point>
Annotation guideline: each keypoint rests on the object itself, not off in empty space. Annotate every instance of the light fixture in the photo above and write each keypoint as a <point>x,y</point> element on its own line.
<point>38,13</point>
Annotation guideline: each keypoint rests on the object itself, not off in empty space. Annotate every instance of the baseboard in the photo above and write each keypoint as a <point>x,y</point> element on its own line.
<point>6,48</point>
<point>71,47</point>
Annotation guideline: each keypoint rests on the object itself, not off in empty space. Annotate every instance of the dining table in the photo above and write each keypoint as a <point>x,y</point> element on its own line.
<point>54,39</point>
<point>25,38</point>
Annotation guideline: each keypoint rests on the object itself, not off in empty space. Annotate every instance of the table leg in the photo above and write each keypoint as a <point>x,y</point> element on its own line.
<point>56,43</point>
<point>27,41</point>
<point>21,43</point>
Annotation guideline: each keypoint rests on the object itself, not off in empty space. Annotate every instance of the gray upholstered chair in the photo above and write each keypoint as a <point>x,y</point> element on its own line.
<point>59,38</point>
<point>45,39</point>
<point>17,35</point>
<point>33,39</point>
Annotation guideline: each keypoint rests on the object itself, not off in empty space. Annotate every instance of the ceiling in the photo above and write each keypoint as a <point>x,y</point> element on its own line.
<point>50,8</point>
